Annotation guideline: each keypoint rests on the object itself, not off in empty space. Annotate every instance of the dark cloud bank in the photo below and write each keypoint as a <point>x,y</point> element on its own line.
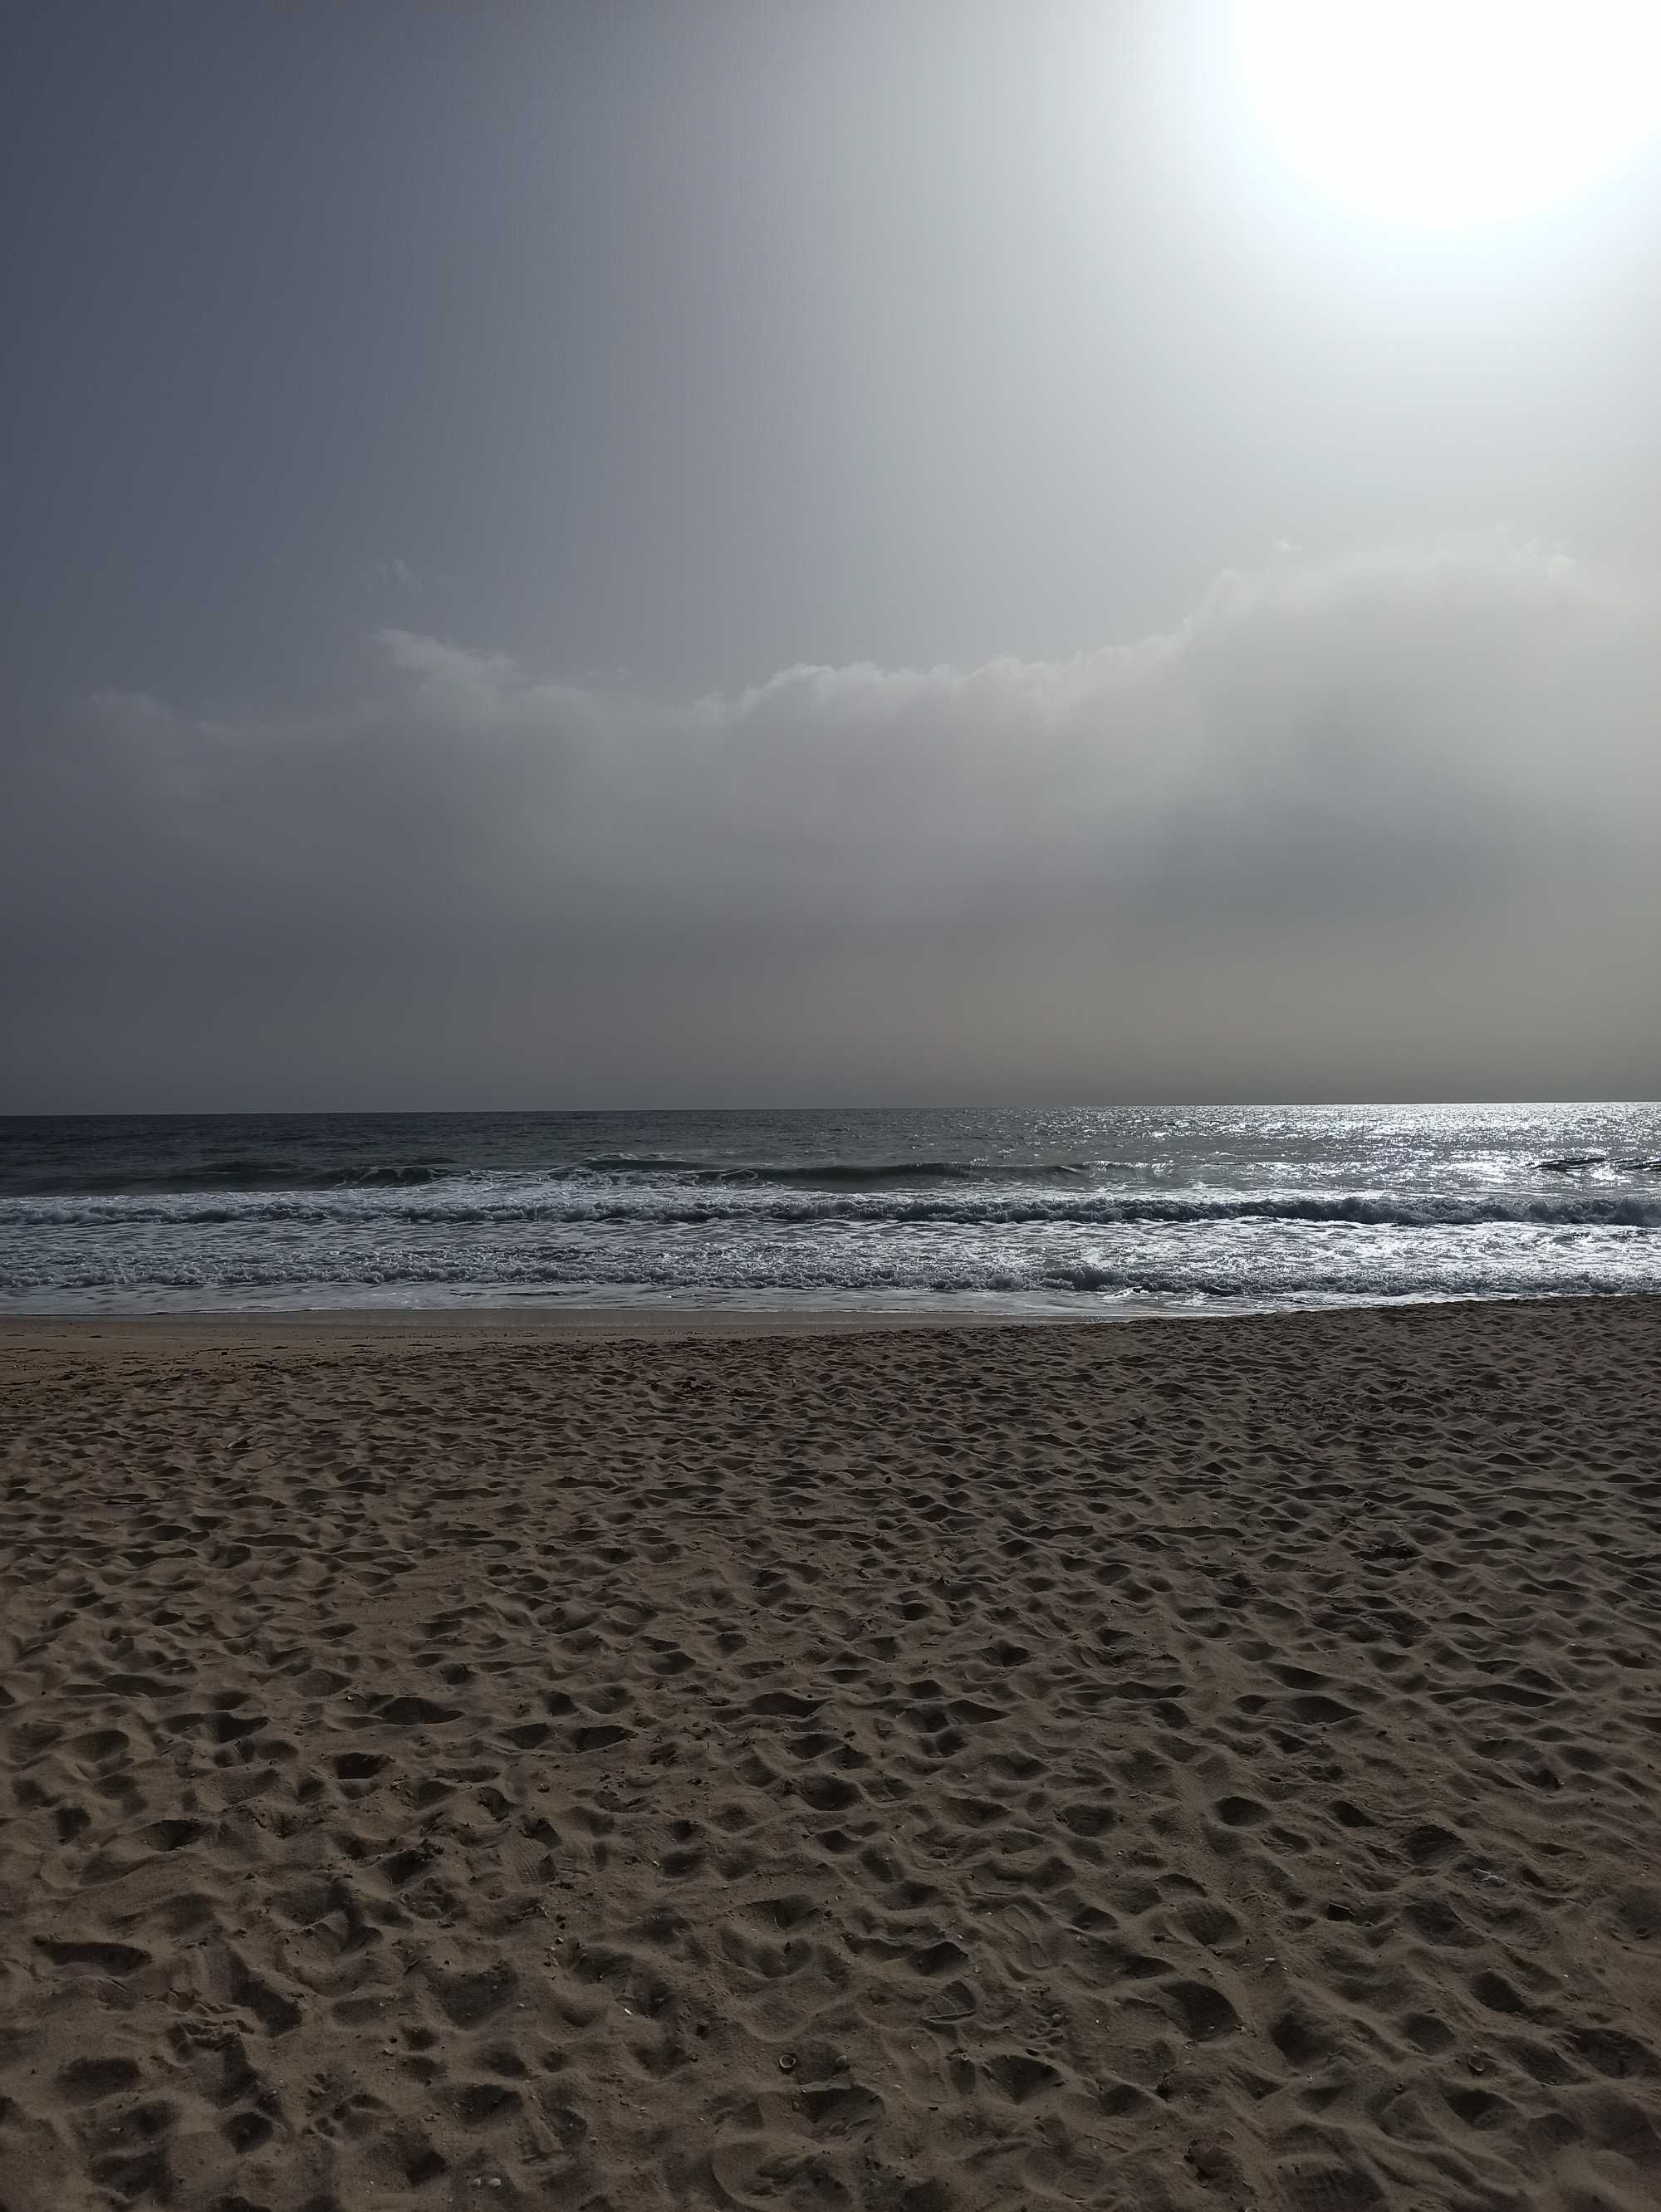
<point>1388,826</point>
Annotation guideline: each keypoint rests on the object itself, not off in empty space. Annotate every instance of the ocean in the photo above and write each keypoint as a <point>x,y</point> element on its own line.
<point>1076,1211</point>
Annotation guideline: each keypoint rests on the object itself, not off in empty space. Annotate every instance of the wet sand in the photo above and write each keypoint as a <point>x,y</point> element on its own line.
<point>1202,1765</point>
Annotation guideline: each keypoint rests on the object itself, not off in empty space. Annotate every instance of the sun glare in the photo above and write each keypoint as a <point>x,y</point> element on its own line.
<point>1450,114</point>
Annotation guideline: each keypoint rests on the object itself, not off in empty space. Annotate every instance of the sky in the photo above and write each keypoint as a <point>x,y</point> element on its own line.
<point>608,553</point>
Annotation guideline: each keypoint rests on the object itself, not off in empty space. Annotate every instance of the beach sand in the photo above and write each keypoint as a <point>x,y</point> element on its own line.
<point>1193,1765</point>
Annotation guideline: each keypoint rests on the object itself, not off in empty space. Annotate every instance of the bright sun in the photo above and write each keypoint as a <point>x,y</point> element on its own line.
<point>1448,114</point>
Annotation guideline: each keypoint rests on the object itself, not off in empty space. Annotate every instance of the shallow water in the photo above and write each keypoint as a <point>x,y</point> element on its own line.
<point>1075,1211</point>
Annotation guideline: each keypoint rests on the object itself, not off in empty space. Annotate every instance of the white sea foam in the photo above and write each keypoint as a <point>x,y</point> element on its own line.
<point>485,1203</point>
<point>1081,1212</point>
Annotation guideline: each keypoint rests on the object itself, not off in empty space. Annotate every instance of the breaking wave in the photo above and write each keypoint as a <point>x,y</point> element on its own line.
<point>558,1201</point>
<point>1080,1212</point>
<point>1178,1273</point>
<point>268,1174</point>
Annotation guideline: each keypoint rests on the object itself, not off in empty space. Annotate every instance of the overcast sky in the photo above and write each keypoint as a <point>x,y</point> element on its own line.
<point>741,550</point>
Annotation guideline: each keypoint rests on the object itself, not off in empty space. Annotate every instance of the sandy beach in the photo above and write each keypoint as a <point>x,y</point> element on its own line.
<point>1156,1765</point>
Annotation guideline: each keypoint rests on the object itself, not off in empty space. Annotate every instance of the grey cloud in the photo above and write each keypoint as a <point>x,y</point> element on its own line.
<point>1374,823</point>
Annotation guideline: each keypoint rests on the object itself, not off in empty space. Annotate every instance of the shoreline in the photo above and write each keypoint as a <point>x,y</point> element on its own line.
<point>666,1323</point>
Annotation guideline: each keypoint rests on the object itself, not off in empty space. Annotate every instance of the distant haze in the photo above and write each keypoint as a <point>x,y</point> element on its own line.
<point>727,552</point>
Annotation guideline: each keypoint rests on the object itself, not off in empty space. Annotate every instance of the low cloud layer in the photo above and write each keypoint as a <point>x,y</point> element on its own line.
<point>1383,826</point>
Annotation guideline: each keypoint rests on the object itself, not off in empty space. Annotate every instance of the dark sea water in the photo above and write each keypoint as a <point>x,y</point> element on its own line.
<point>1077,1211</point>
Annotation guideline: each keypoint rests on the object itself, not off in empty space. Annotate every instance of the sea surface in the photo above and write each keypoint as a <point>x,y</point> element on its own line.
<point>1077,1211</point>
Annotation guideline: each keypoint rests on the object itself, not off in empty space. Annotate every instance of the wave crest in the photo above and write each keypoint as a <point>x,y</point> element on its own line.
<point>556,1203</point>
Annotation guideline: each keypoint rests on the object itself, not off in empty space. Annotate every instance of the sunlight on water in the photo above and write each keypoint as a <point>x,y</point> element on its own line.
<point>1081,1211</point>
